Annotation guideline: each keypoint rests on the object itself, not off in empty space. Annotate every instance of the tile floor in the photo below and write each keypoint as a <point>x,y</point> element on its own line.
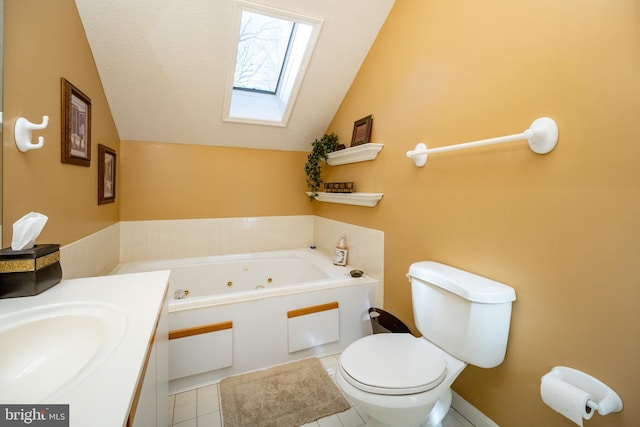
<point>201,408</point>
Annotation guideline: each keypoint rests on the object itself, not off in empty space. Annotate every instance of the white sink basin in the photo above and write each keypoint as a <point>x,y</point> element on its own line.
<point>47,350</point>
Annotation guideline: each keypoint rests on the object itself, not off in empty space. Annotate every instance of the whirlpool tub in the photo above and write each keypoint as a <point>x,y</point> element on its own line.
<point>236,313</point>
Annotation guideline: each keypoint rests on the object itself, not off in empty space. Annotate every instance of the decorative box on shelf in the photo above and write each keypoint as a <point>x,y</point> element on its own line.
<point>339,187</point>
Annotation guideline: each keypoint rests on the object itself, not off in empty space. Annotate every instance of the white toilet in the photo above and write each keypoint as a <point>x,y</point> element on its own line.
<point>399,380</point>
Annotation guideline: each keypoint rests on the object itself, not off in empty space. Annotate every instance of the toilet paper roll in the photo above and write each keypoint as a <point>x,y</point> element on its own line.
<point>566,399</point>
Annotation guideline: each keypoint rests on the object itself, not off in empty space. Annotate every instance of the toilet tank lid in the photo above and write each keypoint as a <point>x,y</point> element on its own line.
<point>467,285</point>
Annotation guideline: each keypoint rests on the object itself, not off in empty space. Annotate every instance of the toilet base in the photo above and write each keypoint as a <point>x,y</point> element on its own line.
<point>434,418</point>
<point>439,411</point>
<point>418,410</point>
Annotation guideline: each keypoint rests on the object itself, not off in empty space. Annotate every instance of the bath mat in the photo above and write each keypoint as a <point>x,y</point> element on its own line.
<point>288,395</point>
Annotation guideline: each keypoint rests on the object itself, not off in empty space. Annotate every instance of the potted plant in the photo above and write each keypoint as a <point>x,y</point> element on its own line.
<point>320,150</point>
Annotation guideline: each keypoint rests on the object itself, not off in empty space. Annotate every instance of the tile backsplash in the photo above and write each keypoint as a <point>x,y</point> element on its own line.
<point>94,255</point>
<point>366,245</point>
<point>127,241</point>
<point>152,240</point>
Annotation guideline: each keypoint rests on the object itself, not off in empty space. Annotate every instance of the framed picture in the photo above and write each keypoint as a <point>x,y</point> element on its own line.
<point>106,175</point>
<point>76,126</point>
<point>361,131</point>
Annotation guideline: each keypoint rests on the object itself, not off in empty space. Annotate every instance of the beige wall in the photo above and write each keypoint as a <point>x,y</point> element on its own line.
<point>44,41</point>
<point>563,229</point>
<point>175,181</point>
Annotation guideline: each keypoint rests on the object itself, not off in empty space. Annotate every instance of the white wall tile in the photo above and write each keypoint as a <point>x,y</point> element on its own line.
<point>127,241</point>
<point>94,255</point>
<point>366,247</point>
<point>147,240</point>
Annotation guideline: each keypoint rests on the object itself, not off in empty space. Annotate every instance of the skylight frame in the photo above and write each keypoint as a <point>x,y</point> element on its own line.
<point>242,106</point>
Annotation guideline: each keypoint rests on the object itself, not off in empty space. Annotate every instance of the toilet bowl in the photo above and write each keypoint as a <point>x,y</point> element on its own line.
<point>400,380</point>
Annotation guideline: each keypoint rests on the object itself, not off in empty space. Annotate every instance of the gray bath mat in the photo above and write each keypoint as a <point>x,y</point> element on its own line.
<point>288,395</point>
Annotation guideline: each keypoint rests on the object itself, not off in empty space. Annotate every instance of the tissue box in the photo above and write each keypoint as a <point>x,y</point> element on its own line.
<point>29,272</point>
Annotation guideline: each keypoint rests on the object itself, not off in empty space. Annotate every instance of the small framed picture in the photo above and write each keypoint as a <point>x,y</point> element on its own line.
<point>106,175</point>
<point>76,126</point>
<point>361,131</point>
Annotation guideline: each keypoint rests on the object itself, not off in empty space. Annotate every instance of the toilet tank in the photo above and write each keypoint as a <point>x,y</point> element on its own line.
<point>465,314</point>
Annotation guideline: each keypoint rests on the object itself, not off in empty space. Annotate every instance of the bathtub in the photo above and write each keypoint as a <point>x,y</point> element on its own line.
<point>237,313</point>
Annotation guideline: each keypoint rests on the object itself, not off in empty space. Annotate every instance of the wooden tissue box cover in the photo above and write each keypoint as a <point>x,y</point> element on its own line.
<point>29,272</point>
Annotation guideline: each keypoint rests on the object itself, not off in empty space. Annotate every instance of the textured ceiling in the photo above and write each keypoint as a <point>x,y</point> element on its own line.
<point>163,65</point>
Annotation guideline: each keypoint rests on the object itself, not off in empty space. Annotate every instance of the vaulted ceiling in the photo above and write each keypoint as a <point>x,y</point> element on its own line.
<point>164,64</point>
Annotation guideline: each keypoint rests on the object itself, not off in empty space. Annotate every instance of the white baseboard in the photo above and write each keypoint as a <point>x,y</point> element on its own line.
<point>470,412</point>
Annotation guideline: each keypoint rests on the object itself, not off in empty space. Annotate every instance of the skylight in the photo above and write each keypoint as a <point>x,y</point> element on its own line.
<point>270,52</point>
<point>263,45</point>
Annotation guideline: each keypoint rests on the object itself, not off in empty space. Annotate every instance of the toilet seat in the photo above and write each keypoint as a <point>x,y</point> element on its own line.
<point>393,364</point>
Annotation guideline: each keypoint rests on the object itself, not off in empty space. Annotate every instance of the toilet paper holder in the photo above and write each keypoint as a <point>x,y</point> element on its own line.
<point>605,400</point>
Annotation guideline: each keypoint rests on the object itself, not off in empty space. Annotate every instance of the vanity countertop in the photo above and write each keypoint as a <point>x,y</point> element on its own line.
<point>105,395</point>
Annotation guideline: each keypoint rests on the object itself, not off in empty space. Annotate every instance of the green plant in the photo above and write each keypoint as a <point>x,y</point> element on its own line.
<point>320,149</point>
